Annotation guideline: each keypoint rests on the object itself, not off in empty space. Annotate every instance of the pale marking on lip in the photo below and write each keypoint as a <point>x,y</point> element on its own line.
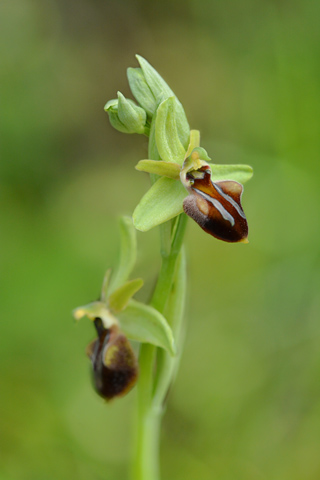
<point>217,205</point>
<point>229,199</point>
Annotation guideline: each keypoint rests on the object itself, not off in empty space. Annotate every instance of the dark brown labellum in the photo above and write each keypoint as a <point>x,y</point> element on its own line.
<point>115,366</point>
<point>216,207</point>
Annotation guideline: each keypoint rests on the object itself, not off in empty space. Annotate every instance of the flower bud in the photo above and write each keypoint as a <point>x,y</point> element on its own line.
<point>111,108</point>
<point>115,367</point>
<point>126,116</point>
<point>141,90</point>
<point>216,207</point>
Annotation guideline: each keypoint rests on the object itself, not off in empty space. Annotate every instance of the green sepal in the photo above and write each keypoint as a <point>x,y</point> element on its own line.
<point>238,173</point>
<point>120,298</point>
<point>168,143</point>
<point>145,324</point>
<point>141,90</point>
<point>130,115</point>
<point>162,202</point>
<point>105,285</point>
<point>111,107</point>
<point>152,145</point>
<point>168,169</point>
<point>194,141</point>
<point>128,253</point>
<point>161,91</point>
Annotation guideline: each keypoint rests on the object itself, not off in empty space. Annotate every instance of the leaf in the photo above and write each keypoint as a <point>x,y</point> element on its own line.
<point>162,202</point>
<point>145,324</point>
<point>141,90</point>
<point>128,253</point>
<point>167,366</point>
<point>120,298</point>
<point>176,300</point>
<point>169,146</point>
<point>168,169</point>
<point>238,173</point>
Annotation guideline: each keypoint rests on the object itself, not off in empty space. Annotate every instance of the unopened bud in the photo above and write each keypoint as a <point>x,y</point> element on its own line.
<point>141,90</point>
<point>125,115</point>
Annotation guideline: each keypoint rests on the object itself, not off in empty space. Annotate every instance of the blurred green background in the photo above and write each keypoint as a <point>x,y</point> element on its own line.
<point>246,404</point>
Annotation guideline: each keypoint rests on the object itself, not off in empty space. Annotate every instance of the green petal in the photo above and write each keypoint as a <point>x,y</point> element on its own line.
<point>169,146</point>
<point>96,310</point>
<point>202,153</point>
<point>144,323</point>
<point>238,173</point>
<point>162,202</point>
<point>168,169</point>
<point>119,299</point>
<point>128,253</point>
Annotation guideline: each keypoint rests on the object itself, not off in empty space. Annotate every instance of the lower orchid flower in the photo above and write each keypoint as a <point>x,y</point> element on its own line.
<point>117,317</point>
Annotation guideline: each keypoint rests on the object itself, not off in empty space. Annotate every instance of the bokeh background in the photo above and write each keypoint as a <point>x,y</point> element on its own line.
<point>246,404</point>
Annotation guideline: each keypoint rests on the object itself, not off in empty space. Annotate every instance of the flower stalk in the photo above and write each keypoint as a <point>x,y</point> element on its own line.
<point>152,389</point>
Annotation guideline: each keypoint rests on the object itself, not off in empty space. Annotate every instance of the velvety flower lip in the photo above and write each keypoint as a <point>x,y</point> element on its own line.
<point>216,206</point>
<point>114,364</point>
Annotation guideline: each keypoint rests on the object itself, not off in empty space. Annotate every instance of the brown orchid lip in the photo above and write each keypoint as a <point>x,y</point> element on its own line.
<point>216,206</point>
<point>115,366</point>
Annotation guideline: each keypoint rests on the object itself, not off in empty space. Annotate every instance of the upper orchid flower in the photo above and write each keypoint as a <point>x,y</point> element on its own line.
<point>209,193</point>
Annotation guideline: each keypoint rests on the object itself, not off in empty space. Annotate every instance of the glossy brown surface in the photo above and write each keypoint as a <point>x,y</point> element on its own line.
<point>115,367</point>
<point>216,207</point>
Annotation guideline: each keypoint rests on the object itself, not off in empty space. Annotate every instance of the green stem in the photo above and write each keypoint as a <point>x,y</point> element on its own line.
<point>146,460</point>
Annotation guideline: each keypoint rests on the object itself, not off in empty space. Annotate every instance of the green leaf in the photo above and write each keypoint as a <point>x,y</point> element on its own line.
<point>141,90</point>
<point>119,299</point>
<point>162,202</point>
<point>169,146</point>
<point>166,365</point>
<point>128,253</point>
<point>238,173</point>
<point>168,169</point>
<point>144,323</point>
